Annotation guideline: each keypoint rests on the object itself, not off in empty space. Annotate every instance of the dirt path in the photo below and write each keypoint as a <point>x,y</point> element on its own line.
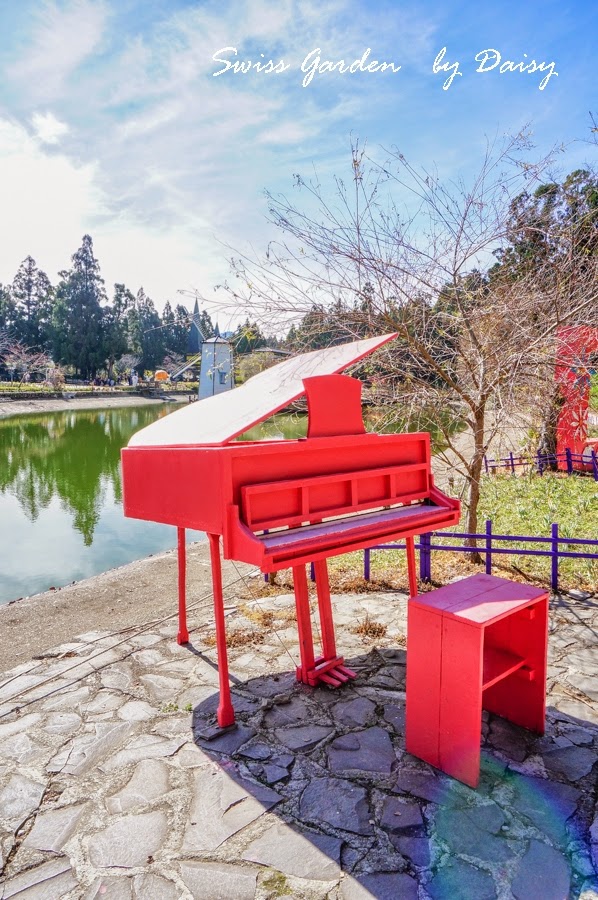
<point>109,401</point>
<point>134,594</point>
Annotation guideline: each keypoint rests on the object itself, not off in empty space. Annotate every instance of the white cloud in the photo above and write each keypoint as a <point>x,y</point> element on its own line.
<point>48,128</point>
<point>63,37</point>
<point>53,202</point>
<point>47,199</point>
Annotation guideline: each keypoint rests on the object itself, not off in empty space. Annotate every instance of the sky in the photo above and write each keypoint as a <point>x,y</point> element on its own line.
<point>126,120</point>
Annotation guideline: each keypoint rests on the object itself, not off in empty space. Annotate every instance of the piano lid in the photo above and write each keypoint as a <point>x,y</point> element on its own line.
<point>219,419</point>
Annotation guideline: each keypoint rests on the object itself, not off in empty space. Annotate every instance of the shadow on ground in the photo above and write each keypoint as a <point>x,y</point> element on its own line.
<point>349,803</point>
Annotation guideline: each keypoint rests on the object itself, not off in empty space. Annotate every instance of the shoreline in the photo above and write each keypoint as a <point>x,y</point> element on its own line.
<point>109,401</point>
<point>126,597</point>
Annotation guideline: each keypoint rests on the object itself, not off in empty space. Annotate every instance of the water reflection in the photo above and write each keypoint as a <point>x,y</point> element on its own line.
<point>74,456</point>
<point>61,498</point>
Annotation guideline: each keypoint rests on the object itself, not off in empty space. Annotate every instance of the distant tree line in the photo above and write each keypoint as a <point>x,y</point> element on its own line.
<point>75,324</point>
<point>78,325</point>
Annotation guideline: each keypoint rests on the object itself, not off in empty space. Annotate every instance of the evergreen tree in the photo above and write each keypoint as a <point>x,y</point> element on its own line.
<point>115,326</point>
<point>144,332</point>
<point>7,311</point>
<point>175,329</point>
<point>77,317</point>
<point>248,337</point>
<point>32,294</point>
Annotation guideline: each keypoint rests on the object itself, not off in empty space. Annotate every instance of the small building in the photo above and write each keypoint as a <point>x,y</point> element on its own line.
<point>216,373</point>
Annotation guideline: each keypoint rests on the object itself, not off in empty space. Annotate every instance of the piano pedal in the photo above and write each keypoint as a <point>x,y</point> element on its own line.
<point>332,672</point>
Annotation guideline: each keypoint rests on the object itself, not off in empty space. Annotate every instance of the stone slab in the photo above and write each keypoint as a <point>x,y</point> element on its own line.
<point>571,762</point>
<point>50,881</point>
<point>136,711</point>
<point>397,815</point>
<point>460,879</point>
<point>145,746</point>
<point>52,828</point>
<point>382,886</point>
<point>362,751</point>
<point>303,737</point>
<point>358,712</point>
<point>154,887</point>
<point>541,874</point>
<point>18,799</point>
<point>300,854</point>
<point>219,881</point>
<point>222,805</point>
<point>337,802</point>
<point>149,782</point>
<point>129,841</point>
<point>110,888</point>
<point>86,750</point>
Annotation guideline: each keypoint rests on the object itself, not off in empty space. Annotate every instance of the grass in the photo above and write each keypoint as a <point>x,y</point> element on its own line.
<point>529,504</point>
<point>276,884</point>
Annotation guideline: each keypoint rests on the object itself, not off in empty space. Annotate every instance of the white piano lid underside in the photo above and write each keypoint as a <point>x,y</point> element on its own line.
<point>223,417</point>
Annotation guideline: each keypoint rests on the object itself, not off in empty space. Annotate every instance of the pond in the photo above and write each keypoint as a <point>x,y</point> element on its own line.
<point>61,516</point>
<point>60,498</point>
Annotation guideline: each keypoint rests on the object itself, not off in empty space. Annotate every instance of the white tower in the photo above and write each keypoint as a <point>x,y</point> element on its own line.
<point>216,367</point>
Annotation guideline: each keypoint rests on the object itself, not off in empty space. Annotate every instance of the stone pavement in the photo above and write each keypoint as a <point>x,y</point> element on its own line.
<point>107,792</point>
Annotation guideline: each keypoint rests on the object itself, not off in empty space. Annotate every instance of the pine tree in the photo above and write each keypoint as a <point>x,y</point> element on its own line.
<point>77,318</point>
<point>32,294</point>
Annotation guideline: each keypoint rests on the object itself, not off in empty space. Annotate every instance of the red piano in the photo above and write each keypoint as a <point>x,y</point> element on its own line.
<point>281,504</point>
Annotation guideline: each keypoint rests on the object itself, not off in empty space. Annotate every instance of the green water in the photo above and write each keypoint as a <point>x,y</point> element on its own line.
<point>61,498</point>
<point>61,516</point>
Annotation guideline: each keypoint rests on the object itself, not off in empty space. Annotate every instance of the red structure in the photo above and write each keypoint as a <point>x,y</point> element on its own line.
<point>573,371</point>
<point>477,644</point>
<point>281,504</point>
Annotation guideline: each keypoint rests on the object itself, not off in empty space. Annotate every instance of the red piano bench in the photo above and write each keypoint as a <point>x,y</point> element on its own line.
<point>479,643</point>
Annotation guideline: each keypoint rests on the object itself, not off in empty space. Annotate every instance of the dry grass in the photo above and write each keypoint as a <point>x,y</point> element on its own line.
<point>370,630</point>
<point>238,637</point>
<point>261,617</point>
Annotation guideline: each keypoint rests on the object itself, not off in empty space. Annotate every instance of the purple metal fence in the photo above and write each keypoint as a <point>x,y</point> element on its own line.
<point>488,550</point>
<point>542,461</point>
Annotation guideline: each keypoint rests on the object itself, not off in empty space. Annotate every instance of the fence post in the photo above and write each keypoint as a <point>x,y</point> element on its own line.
<point>569,461</point>
<point>595,465</point>
<point>488,546</point>
<point>554,577</point>
<point>366,564</point>
<point>486,463</point>
<point>540,466</point>
<point>512,461</point>
<point>424,557</point>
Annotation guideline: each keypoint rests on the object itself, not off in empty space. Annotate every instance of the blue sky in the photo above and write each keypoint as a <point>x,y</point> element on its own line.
<point>113,123</point>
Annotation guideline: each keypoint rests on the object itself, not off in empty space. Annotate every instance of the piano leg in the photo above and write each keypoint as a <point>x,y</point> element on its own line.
<point>306,643</point>
<point>226,714</point>
<point>411,569</point>
<point>325,609</point>
<point>183,634</point>
<point>329,667</point>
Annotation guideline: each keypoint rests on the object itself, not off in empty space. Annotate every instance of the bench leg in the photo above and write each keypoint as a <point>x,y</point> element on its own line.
<point>412,571</point>
<point>183,634</point>
<point>226,714</point>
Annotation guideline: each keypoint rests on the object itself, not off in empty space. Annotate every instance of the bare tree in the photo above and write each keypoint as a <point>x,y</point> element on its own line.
<point>23,361</point>
<point>399,249</point>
